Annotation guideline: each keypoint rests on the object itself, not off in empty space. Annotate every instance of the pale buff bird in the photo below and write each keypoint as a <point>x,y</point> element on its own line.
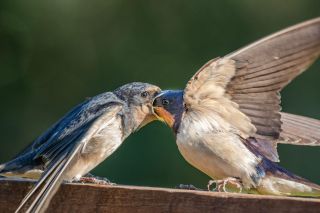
<point>227,121</point>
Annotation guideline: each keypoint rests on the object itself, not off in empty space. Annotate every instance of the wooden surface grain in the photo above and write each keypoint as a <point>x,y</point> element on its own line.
<point>101,198</point>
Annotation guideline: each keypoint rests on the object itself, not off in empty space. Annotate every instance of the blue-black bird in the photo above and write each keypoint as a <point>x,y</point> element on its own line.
<point>80,140</point>
<point>227,121</point>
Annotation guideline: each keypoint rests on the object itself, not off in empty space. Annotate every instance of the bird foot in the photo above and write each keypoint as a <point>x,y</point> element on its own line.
<point>94,180</point>
<point>188,187</point>
<point>221,184</point>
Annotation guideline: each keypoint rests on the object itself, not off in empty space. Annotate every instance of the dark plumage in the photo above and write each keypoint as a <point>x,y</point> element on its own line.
<point>80,140</point>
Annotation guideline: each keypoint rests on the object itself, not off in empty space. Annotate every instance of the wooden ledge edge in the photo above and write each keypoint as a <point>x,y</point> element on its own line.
<point>77,197</point>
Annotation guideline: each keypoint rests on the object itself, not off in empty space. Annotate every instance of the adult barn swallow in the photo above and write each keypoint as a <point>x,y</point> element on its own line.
<point>227,121</point>
<point>82,139</point>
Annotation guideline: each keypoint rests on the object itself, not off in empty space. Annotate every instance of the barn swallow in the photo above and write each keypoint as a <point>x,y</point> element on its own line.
<point>81,140</point>
<point>227,121</point>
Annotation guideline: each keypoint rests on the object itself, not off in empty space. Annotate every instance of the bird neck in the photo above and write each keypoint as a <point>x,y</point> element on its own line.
<point>133,119</point>
<point>177,117</point>
<point>129,124</point>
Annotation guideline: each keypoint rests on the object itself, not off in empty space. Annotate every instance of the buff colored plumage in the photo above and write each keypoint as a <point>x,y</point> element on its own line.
<point>228,120</point>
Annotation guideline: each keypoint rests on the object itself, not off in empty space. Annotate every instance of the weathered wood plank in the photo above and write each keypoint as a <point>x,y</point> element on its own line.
<point>100,198</point>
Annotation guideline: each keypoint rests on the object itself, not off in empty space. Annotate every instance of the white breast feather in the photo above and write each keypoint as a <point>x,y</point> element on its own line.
<point>212,145</point>
<point>107,139</point>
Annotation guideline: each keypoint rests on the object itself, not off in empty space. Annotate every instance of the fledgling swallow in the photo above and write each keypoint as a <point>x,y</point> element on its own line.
<point>227,121</point>
<point>81,140</point>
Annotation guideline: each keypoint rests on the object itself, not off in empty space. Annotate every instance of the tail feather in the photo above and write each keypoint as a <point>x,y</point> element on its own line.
<point>49,183</point>
<point>274,185</point>
<point>299,130</point>
<point>279,181</point>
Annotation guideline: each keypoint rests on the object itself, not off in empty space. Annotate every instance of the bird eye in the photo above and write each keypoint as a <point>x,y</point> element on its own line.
<point>144,94</point>
<point>165,102</point>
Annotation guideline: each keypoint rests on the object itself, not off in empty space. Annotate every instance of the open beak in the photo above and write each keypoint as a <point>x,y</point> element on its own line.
<point>164,116</point>
<point>151,116</point>
<point>161,113</point>
<point>147,119</point>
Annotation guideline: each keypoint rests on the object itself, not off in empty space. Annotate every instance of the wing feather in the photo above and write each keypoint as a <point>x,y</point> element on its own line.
<point>63,147</point>
<point>268,65</point>
<point>247,82</point>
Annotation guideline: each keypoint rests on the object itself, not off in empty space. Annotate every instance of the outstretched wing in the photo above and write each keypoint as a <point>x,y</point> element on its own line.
<point>63,147</point>
<point>265,67</point>
<point>243,87</point>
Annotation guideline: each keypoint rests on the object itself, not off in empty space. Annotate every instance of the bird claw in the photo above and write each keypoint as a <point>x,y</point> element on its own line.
<point>188,187</point>
<point>221,184</point>
<point>94,180</point>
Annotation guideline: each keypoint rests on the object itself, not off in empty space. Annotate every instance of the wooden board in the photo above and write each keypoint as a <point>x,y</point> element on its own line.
<point>100,198</point>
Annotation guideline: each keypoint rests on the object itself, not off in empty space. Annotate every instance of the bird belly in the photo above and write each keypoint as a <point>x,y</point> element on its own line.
<point>218,154</point>
<point>206,162</point>
<point>100,147</point>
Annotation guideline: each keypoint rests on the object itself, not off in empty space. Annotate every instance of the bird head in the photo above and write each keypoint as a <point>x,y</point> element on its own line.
<point>139,97</point>
<point>168,106</point>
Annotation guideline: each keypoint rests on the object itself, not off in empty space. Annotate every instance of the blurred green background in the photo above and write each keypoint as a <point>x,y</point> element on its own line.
<point>54,54</point>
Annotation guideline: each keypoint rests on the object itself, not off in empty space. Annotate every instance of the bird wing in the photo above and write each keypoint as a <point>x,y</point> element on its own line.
<point>243,87</point>
<point>63,147</point>
<point>49,132</point>
<point>265,67</point>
